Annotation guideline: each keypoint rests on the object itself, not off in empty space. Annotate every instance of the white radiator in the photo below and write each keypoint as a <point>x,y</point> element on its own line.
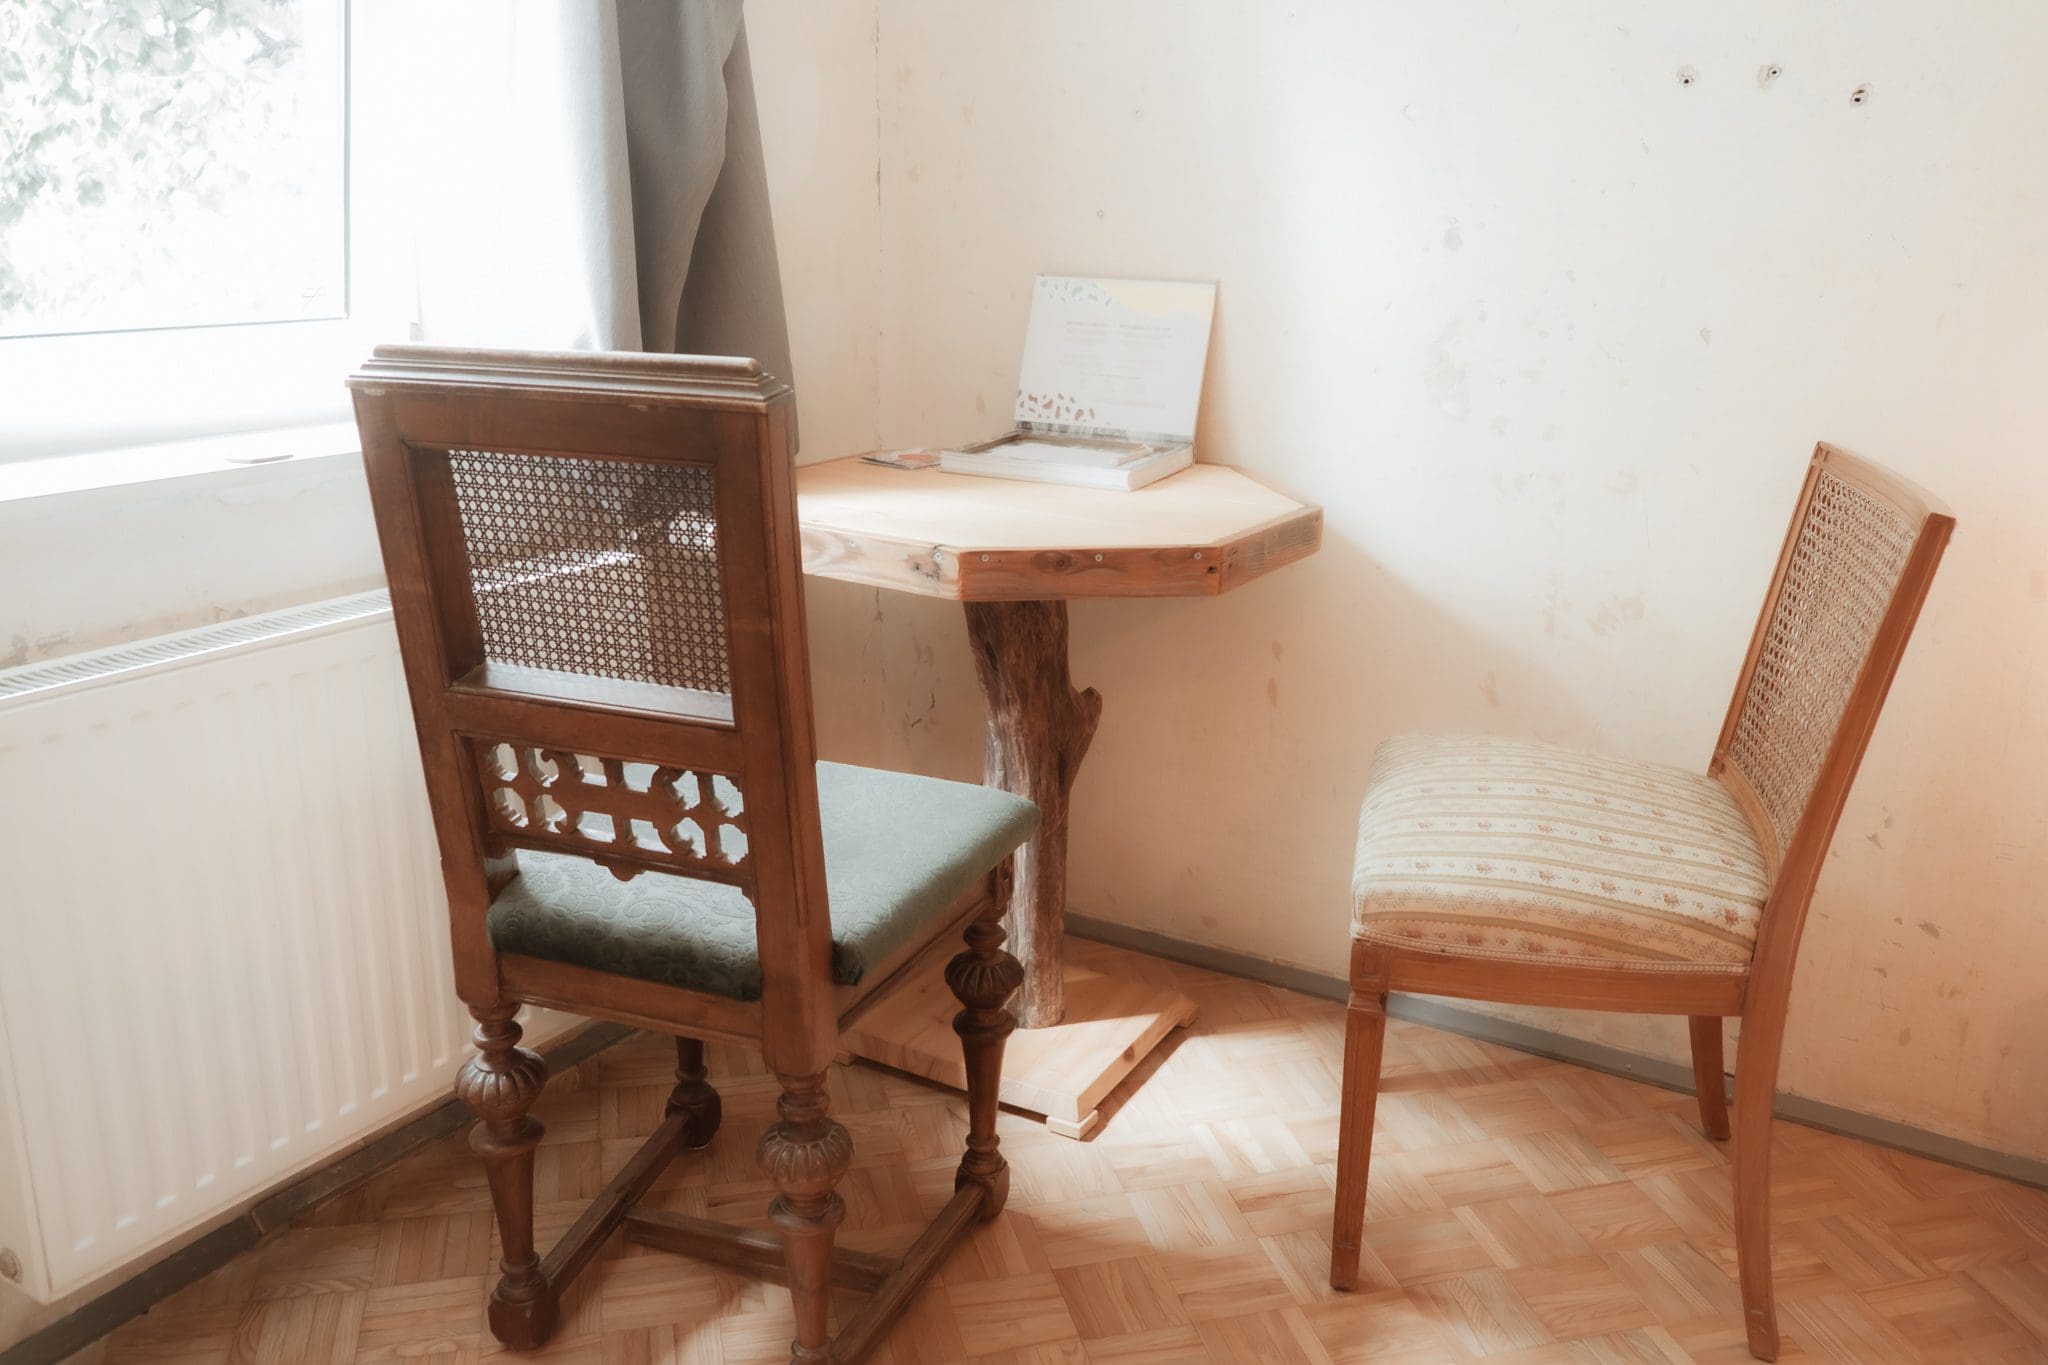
<point>223,937</point>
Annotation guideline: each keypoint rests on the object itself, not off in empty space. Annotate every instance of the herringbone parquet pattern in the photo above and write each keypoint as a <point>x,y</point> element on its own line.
<point>1522,1210</point>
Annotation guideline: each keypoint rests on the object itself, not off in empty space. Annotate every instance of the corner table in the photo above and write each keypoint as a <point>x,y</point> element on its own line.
<point>1014,554</point>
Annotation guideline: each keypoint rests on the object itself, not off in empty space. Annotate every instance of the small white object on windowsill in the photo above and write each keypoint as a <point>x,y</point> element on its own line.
<point>1109,387</point>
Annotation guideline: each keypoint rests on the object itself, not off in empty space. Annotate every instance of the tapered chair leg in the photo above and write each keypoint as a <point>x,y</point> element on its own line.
<point>693,1094</point>
<point>806,1154</point>
<point>984,978</point>
<point>1365,1036</point>
<point>1756,1084</point>
<point>1709,1078</point>
<point>501,1083</point>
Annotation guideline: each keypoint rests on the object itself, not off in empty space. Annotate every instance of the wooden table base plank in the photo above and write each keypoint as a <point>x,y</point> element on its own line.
<point>1114,1019</point>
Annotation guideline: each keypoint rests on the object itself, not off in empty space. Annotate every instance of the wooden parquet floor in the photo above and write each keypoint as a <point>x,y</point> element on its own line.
<point>1522,1210</point>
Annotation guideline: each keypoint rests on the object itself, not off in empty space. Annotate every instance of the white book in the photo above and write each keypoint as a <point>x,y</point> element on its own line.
<point>1067,451</point>
<point>1134,475</point>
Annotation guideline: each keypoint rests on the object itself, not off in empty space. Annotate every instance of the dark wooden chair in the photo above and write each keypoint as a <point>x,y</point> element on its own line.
<point>1529,874</point>
<point>594,572</point>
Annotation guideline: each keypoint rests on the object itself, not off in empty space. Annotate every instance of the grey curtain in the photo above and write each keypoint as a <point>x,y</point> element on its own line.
<point>703,243</point>
<point>581,174</point>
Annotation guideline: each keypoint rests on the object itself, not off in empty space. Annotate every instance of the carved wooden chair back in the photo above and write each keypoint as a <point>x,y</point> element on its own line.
<point>1855,568</point>
<point>594,575</point>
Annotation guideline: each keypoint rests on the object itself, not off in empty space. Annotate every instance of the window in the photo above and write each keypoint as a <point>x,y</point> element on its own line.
<point>177,253</point>
<point>173,166</point>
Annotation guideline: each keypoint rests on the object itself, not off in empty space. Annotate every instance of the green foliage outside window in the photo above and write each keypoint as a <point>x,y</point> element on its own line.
<point>169,162</point>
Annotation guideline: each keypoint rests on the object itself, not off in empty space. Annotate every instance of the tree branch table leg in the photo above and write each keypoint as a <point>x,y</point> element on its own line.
<point>1089,1018</point>
<point>1039,727</point>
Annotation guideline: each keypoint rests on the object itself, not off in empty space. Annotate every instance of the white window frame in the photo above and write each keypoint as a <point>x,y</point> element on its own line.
<point>90,391</point>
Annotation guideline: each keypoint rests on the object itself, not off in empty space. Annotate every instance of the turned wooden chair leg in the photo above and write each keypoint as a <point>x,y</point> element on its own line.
<point>1756,1084</point>
<point>500,1084</point>
<point>984,978</point>
<point>1365,1036</point>
<point>693,1094</point>
<point>1709,1078</point>
<point>806,1153</point>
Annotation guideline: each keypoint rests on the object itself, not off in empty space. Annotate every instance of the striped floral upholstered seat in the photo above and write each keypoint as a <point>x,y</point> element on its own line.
<point>1504,849</point>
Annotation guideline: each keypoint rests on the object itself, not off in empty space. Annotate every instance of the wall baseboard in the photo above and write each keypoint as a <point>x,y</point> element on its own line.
<point>1436,1013</point>
<point>270,1211</point>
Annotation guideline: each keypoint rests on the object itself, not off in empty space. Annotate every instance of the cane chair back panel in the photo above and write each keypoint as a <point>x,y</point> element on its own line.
<point>1844,566</point>
<point>607,568</point>
<point>592,561</point>
<point>1840,599</point>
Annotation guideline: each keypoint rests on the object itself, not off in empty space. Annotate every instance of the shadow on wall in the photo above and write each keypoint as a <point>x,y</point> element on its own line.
<point>2012,1102</point>
<point>892,682</point>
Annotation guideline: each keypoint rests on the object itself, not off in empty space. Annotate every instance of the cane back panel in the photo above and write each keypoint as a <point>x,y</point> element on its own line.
<point>607,568</point>
<point>1841,570</point>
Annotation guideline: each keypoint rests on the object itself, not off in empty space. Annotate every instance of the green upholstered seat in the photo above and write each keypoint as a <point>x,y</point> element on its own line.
<point>899,850</point>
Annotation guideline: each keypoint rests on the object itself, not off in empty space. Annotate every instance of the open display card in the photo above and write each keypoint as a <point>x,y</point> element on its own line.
<point>1116,358</point>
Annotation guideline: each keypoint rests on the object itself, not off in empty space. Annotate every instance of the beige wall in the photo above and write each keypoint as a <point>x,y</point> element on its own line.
<point>1545,331</point>
<point>1549,334</point>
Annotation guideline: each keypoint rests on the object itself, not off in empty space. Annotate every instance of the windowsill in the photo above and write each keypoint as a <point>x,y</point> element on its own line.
<point>212,455</point>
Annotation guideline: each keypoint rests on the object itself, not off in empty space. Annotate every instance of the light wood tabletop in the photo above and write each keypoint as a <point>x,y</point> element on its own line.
<point>1203,531</point>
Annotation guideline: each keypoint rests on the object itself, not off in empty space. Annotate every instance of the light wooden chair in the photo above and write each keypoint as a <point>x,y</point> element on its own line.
<point>594,572</point>
<point>1535,875</point>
